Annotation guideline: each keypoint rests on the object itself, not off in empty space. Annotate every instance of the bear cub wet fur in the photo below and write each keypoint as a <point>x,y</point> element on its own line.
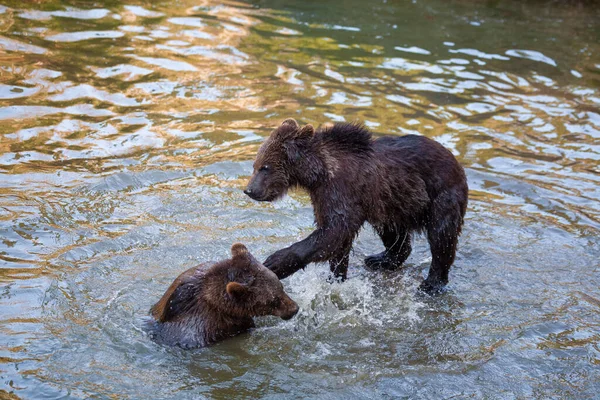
<point>214,301</point>
<point>399,185</point>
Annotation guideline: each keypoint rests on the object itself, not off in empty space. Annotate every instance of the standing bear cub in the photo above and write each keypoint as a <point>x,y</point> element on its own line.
<point>399,185</point>
<point>213,301</point>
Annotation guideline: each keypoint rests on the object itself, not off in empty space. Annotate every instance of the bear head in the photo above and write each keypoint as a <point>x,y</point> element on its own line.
<point>243,287</point>
<point>282,161</point>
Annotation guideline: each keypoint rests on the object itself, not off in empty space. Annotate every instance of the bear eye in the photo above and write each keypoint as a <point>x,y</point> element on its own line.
<point>264,168</point>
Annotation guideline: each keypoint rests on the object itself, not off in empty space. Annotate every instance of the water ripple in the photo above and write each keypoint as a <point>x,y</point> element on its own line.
<point>85,35</point>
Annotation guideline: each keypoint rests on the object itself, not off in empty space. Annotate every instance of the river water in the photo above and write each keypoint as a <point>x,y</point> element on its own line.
<point>127,132</point>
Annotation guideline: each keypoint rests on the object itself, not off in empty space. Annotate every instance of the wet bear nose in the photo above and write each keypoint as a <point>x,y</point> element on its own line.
<point>291,312</point>
<point>248,192</point>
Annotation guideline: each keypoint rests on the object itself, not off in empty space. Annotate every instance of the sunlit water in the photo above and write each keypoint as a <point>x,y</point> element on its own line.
<point>127,133</point>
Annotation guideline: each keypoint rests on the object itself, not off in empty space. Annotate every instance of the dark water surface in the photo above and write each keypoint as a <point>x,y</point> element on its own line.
<point>127,131</point>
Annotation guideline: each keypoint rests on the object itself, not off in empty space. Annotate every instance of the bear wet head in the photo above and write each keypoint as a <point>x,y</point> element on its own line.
<point>278,164</point>
<point>252,290</point>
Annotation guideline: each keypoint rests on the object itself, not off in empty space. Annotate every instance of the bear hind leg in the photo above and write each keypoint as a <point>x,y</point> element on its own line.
<point>338,264</point>
<point>397,242</point>
<point>339,268</point>
<point>443,230</point>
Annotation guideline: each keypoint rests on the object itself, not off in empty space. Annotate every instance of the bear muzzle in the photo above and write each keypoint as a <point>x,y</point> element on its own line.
<point>258,196</point>
<point>288,309</point>
<point>248,192</point>
<point>258,188</point>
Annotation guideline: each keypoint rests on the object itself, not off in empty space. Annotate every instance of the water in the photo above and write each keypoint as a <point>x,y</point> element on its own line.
<point>128,131</point>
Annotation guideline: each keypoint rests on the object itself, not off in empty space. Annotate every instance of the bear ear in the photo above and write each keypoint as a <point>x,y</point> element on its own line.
<point>306,131</point>
<point>236,290</point>
<point>238,250</point>
<point>291,123</point>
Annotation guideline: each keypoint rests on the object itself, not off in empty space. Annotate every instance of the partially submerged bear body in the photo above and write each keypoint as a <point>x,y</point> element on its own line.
<point>214,301</point>
<point>399,185</point>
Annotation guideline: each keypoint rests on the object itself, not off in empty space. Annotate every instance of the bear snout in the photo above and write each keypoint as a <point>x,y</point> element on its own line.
<point>252,194</point>
<point>288,310</point>
<point>257,195</point>
<point>258,188</point>
<point>253,189</point>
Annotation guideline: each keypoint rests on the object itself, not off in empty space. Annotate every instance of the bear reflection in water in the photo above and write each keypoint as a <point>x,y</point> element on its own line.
<point>214,301</point>
<point>399,185</point>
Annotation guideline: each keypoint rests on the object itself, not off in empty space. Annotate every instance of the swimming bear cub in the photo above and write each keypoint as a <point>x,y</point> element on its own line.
<point>214,301</point>
<point>398,184</point>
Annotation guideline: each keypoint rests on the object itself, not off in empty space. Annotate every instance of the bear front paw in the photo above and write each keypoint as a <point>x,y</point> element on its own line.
<point>283,263</point>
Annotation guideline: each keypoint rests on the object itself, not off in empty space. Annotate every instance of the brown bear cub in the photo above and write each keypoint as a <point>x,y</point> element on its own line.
<point>399,185</point>
<point>214,301</point>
